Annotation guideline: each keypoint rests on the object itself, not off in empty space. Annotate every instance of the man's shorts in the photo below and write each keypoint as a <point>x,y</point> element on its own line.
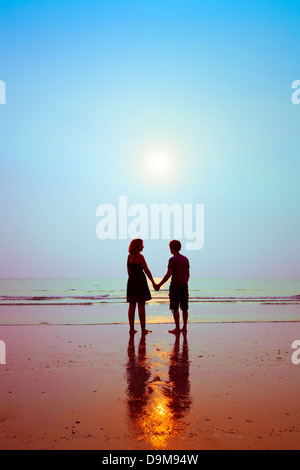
<point>179,296</point>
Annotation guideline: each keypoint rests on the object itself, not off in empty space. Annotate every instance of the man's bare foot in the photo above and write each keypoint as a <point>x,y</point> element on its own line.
<point>176,331</point>
<point>183,330</point>
<point>132,332</point>
<point>146,332</point>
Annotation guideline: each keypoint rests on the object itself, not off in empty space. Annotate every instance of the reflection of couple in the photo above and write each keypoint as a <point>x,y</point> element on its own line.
<point>156,408</point>
<point>138,290</point>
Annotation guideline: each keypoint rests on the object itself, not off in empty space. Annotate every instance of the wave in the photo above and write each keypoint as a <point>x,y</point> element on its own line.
<point>121,298</point>
<point>49,298</point>
<point>125,323</point>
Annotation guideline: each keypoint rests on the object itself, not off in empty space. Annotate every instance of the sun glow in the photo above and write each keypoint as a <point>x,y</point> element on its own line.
<point>158,164</point>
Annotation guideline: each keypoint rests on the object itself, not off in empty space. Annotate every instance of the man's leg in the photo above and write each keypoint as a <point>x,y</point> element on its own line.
<point>185,316</point>
<point>184,304</point>
<point>176,316</point>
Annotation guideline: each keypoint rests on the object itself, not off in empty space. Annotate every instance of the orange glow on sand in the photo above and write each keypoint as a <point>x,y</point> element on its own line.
<point>158,393</point>
<point>158,424</point>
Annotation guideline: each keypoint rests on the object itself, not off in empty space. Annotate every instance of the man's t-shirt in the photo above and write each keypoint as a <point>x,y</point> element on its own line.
<point>180,268</point>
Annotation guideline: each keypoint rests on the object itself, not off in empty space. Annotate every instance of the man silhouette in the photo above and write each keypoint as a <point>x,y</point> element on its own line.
<point>179,272</point>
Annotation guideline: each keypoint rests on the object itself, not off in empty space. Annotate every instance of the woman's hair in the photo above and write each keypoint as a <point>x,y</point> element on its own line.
<point>135,246</point>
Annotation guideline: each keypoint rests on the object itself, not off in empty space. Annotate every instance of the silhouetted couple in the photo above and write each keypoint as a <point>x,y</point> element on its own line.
<point>138,291</point>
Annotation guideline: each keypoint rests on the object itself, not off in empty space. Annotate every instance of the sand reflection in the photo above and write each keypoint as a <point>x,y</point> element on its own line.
<point>158,391</point>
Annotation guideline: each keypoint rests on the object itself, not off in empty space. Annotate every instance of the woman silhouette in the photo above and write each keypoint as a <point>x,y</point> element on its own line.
<point>137,286</point>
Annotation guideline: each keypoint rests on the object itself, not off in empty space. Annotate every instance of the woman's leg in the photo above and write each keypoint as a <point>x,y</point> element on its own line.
<point>131,315</point>
<point>142,317</point>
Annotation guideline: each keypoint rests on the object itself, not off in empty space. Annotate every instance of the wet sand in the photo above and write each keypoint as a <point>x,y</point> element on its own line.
<point>222,386</point>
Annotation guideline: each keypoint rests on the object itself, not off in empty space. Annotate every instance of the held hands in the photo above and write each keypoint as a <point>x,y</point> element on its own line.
<point>156,286</point>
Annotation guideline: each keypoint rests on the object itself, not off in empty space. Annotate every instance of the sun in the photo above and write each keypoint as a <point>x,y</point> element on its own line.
<point>158,164</point>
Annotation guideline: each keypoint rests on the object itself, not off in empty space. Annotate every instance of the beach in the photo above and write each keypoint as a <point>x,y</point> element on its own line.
<point>149,163</point>
<point>221,386</point>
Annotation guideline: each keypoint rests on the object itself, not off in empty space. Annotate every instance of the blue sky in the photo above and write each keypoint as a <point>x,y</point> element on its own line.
<point>93,85</point>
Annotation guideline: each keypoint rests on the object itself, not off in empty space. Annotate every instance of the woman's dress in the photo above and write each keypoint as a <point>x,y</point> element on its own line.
<point>137,286</point>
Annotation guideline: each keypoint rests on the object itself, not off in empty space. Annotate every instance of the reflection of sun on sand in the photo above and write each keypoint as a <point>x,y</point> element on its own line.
<point>158,424</point>
<point>158,392</point>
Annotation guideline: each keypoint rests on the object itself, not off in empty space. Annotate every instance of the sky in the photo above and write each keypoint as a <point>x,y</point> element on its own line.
<point>94,89</point>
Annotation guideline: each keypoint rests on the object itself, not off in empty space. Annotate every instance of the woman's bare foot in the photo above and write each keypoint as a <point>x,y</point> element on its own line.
<point>176,331</point>
<point>132,332</point>
<point>183,330</point>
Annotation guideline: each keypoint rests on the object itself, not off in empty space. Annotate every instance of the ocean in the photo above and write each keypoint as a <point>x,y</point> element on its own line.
<point>103,301</point>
